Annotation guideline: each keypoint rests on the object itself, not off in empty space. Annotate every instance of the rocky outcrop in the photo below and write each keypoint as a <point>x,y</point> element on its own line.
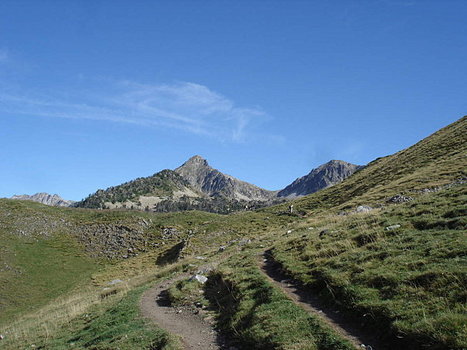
<point>45,198</point>
<point>325,175</point>
<point>214,183</point>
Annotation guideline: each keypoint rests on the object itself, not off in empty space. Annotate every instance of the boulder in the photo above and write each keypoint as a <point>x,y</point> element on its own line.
<point>200,278</point>
<point>399,199</point>
<point>363,209</point>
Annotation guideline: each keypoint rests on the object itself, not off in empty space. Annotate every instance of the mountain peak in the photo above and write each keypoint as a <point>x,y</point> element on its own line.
<point>325,175</point>
<point>197,159</point>
<point>212,182</point>
<point>193,164</point>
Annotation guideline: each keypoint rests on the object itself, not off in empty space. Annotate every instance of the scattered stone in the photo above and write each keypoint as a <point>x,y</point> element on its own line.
<point>289,231</point>
<point>204,271</point>
<point>201,258</point>
<point>169,232</point>
<point>200,278</point>
<point>392,227</point>
<point>115,282</point>
<point>244,242</point>
<point>323,233</point>
<point>398,198</point>
<point>363,209</point>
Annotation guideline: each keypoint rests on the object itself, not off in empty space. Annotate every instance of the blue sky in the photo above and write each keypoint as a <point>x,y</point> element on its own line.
<point>95,93</point>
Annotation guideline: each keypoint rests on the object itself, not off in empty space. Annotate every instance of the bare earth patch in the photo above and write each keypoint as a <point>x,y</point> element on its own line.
<point>196,332</point>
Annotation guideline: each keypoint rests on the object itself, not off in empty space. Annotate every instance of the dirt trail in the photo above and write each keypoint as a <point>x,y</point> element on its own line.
<point>312,304</point>
<point>196,332</point>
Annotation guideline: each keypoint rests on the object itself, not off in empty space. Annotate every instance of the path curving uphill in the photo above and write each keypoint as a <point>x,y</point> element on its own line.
<point>313,305</point>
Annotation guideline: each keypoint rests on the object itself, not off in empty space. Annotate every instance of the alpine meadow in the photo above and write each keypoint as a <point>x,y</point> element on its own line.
<point>233,175</point>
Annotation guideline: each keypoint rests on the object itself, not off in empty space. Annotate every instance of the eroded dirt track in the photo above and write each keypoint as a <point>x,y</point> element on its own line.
<point>196,333</point>
<point>313,305</point>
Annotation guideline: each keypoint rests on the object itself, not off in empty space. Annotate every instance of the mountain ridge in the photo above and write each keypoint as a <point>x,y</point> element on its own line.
<point>324,176</point>
<point>195,185</point>
<point>45,198</point>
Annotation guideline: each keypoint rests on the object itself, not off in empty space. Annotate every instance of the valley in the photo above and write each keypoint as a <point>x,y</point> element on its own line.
<point>379,250</point>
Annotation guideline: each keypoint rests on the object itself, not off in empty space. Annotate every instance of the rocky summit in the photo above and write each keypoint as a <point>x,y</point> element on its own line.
<point>45,198</point>
<point>214,183</point>
<point>325,175</point>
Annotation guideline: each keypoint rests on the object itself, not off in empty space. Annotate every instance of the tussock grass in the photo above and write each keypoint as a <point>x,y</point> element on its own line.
<point>408,282</point>
<point>258,316</point>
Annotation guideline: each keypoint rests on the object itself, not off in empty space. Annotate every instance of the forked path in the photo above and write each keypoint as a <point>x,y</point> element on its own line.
<point>313,305</point>
<point>196,333</point>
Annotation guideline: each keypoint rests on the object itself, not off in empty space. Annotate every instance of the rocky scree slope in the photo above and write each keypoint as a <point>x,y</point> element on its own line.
<point>46,198</point>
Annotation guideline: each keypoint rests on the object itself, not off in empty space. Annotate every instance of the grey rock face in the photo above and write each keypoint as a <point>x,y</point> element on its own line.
<point>363,209</point>
<point>45,198</point>
<point>399,199</point>
<point>324,176</point>
<point>214,183</point>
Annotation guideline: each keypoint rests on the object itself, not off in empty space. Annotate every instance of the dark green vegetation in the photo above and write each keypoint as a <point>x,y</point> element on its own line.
<point>407,283</point>
<point>163,183</point>
<point>163,186</point>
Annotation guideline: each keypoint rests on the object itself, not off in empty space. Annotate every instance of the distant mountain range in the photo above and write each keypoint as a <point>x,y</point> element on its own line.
<point>45,198</point>
<point>197,186</point>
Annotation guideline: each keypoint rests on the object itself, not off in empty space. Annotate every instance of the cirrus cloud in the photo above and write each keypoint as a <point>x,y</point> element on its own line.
<point>186,106</point>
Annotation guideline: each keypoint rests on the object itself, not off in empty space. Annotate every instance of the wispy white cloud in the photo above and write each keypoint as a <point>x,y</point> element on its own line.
<point>190,107</point>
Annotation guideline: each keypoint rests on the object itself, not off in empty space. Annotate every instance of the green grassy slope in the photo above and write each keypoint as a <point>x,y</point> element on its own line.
<point>37,265</point>
<point>436,160</point>
<point>47,251</point>
<point>408,283</point>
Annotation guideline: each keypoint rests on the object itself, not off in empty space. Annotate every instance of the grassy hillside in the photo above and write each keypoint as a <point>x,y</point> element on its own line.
<point>397,268</point>
<point>436,160</point>
<point>36,265</point>
<point>401,270</point>
<point>47,251</point>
